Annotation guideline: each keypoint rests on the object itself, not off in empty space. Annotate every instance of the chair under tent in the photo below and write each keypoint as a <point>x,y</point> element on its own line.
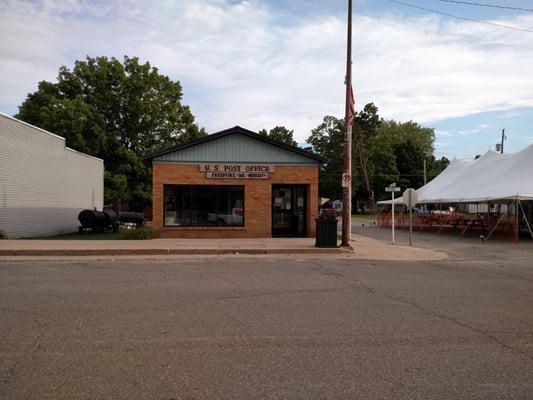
<point>490,196</point>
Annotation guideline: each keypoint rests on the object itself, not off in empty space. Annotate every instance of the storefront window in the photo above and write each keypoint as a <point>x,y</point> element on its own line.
<point>192,205</point>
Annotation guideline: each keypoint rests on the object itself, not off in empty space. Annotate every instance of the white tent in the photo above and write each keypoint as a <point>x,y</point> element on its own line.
<point>492,177</point>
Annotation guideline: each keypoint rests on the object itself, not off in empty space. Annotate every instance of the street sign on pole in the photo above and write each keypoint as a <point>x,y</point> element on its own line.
<point>393,189</point>
<point>346,180</point>
<point>410,199</point>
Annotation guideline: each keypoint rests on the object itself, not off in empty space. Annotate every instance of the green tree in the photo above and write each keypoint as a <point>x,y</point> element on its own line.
<point>382,152</point>
<point>366,125</point>
<point>327,140</point>
<point>280,134</point>
<point>116,186</point>
<point>371,157</point>
<point>411,144</point>
<point>116,111</point>
<point>435,167</point>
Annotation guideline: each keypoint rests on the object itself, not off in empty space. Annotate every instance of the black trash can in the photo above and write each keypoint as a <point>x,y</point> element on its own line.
<point>326,233</point>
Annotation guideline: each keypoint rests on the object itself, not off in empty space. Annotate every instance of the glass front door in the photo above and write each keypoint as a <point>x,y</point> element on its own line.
<point>289,210</point>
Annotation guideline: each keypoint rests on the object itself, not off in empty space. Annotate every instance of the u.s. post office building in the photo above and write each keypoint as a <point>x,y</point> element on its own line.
<point>234,184</point>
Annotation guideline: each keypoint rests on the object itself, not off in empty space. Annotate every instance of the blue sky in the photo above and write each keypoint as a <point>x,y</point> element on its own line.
<point>281,62</point>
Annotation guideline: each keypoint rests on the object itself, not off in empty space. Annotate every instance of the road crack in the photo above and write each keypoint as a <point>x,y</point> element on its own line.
<point>445,317</point>
<point>321,268</point>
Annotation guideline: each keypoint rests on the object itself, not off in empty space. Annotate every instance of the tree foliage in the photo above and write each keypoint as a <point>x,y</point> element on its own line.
<point>383,151</point>
<point>327,140</point>
<point>116,111</point>
<point>280,134</point>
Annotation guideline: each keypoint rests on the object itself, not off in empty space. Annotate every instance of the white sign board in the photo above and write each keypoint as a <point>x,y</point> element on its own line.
<point>392,188</point>
<point>236,171</point>
<point>410,198</point>
<point>254,168</point>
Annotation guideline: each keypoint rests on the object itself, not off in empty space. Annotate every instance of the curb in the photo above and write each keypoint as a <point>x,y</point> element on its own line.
<point>166,252</point>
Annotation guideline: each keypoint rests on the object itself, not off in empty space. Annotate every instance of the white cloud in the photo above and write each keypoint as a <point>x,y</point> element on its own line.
<point>473,131</point>
<point>510,114</point>
<point>243,63</point>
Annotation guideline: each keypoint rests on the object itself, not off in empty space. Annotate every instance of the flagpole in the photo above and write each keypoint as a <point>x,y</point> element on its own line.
<point>347,161</point>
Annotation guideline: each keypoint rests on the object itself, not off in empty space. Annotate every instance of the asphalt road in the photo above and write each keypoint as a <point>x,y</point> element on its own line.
<point>259,328</point>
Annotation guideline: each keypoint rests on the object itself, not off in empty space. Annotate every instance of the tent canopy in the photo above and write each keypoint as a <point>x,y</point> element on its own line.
<point>492,177</point>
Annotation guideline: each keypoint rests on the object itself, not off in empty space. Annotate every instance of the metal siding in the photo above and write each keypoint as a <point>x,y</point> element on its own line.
<point>43,184</point>
<point>19,222</point>
<point>236,148</point>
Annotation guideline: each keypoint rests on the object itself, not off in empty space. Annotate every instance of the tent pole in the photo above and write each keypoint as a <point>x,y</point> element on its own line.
<point>463,222</point>
<point>525,219</point>
<point>487,219</point>
<point>495,226</point>
<point>516,233</point>
<point>455,221</point>
<point>468,223</point>
<point>443,223</point>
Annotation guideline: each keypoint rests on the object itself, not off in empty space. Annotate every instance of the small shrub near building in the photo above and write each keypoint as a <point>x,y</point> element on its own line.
<point>136,234</point>
<point>2,235</point>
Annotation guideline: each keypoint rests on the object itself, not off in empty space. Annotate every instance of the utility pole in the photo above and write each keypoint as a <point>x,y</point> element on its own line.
<point>347,161</point>
<point>503,138</point>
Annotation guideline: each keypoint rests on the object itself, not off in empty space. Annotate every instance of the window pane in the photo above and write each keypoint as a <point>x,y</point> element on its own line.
<point>184,206</point>
<point>170,206</point>
<point>195,205</point>
<point>204,204</point>
<point>236,195</point>
<point>224,209</point>
<point>177,206</point>
<point>230,206</point>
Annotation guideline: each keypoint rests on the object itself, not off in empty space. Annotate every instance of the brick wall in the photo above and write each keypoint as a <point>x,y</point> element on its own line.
<point>257,200</point>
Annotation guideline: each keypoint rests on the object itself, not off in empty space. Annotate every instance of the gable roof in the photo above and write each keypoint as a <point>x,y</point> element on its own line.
<point>231,131</point>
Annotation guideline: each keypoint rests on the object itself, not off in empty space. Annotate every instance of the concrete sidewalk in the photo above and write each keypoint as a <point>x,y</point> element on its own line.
<point>363,248</point>
<point>163,247</point>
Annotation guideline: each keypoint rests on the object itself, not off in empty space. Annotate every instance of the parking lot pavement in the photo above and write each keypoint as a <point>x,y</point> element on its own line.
<point>266,328</point>
<point>469,248</point>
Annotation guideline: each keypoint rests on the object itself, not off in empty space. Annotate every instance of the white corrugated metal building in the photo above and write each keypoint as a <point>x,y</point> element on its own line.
<point>43,184</point>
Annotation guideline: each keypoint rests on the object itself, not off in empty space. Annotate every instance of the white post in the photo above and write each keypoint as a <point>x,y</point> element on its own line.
<point>392,188</point>
<point>393,217</point>
<point>410,222</point>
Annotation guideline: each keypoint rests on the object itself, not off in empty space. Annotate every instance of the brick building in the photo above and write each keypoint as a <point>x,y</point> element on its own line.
<point>234,183</point>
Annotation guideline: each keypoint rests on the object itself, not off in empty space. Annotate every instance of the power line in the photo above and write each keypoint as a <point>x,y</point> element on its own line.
<point>461,18</point>
<point>470,3</point>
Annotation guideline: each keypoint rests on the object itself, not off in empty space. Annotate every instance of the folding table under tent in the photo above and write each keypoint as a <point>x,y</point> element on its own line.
<point>493,192</point>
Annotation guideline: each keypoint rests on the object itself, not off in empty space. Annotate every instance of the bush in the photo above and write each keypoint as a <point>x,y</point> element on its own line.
<point>136,234</point>
<point>2,235</point>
